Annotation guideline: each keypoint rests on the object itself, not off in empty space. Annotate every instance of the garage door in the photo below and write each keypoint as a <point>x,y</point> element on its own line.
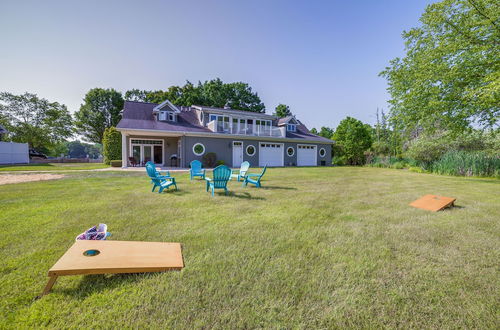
<point>306,155</point>
<point>271,154</point>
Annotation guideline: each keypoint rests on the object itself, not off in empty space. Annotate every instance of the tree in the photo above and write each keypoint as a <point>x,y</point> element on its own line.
<point>33,120</point>
<point>352,139</point>
<point>112,145</point>
<point>326,132</point>
<point>212,93</point>
<point>76,149</point>
<point>314,131</point>
<point>282,111</point>
<point>449,77</point>
<point>100,110</point>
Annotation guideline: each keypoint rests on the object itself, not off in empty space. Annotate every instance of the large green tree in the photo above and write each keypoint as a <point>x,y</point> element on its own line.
<point>100,109</point>
<point>33,120</point>
<point>449,77</point>
<point>214,93</point>
<point>282,111</point>
<point>352,139</point>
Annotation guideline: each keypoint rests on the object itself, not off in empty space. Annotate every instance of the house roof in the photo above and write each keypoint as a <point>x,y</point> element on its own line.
<point>286,120</point>
<point>139,115</point>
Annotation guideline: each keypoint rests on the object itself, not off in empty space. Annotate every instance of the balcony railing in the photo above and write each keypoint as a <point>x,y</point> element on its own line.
<point>255,130</point>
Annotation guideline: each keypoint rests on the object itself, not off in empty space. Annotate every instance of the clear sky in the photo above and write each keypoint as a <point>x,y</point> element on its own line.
<point>322,58</point>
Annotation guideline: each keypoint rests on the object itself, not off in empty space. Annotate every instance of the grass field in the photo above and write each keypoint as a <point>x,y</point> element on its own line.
<point>314,248</point>
<point>53,167</point>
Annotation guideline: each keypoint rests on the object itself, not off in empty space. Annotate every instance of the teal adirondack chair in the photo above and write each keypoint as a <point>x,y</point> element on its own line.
<point>222,174</point>
<point>161,174</point>
<point>159,180</point>
<point>242,172</point>
<point>254,178</point>
<point>196,169</point>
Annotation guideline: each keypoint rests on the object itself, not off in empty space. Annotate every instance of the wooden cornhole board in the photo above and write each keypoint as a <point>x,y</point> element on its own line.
<point>433,202</point>
<point>116,257</point>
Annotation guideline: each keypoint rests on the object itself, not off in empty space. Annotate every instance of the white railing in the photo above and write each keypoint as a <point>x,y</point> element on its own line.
<point>255,130</point>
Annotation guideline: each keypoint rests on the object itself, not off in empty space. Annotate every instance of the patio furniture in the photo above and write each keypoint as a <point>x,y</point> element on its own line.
<point>242,172</point>
<point>196,169</point>
<point>114,257</point>
<point>221,174</point>
<point>254,178</point>
<point>161,174</point>
<point>159,180</point>
<point>132,161</point>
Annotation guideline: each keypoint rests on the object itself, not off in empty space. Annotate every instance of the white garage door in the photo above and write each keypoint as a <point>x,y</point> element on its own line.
<point>271,154</point>
<point>306,155</point>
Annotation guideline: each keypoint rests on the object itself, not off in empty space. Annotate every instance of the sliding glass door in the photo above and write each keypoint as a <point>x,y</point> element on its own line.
<point>144,151</point>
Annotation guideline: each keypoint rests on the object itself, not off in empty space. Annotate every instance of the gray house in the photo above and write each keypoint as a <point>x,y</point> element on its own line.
<point>170,135</point>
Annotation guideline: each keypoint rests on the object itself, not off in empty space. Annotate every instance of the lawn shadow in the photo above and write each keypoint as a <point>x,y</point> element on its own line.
<point>91,284</point>
<point>244,195</point>
<point>277,188</point>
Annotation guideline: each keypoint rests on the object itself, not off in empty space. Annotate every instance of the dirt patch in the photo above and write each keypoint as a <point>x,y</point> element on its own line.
<point>18,178</point>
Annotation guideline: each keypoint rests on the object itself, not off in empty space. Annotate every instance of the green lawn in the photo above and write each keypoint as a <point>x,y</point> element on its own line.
<point>314,248</point>
<point>53,167</point>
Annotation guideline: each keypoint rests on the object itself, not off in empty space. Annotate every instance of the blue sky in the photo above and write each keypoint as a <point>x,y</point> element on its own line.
<point>322,58</point>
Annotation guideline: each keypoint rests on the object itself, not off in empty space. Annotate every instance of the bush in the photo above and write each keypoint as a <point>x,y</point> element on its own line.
<point>220,162</point>
<point>209,159</point>
<point>352,139</point>
<point>338,161</point>
<point>466,163</point>
<point>398,165</point>
<point>417,169</point>
<point>111,145</point>
<point>115,163</point>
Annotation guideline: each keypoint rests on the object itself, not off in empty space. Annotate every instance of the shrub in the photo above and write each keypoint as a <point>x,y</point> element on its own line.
<point>416,169</point>
<point>467,163</point>
<point>209,159</point>
<point>338,161</point>
<point>220,162</point>
<point>398,165</point>
<point>111,145</point>
<point>352,139</point>
<point>115,163</point>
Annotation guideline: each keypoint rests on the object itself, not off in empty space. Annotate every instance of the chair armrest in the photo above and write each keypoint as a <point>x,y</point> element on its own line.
<point>253,175</point>
<point>208,179</point>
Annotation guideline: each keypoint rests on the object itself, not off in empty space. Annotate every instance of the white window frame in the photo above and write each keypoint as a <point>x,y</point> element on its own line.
<point>254,150</point>
<point>322,150</point>
<point>282,151</point>
<point>141,145</point>
<point>204,149</point>
<point>293,154</point>
<point>291,127</point>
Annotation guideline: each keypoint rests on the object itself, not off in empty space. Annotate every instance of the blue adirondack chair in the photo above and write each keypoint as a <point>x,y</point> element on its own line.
<point>242,172</point>
<point>159,180</point>
<point>222,174</point>
<point>161,174</point>
<point>254,178</point>
<point>196,169</point>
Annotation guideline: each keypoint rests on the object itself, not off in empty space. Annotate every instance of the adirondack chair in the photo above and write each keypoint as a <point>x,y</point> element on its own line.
<point>222,174</point>
<point>196,169</point>
<point>242,172</point>
<point>254,178</point>
<point>161,174</point>
<point>132,161</point>
<point>158,180</point>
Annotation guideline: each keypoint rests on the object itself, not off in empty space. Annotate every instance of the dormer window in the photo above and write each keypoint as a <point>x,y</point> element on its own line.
<point>291,127</point>
<point>167,116</point>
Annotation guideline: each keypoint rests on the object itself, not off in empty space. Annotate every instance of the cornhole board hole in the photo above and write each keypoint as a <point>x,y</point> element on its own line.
<point>114,257</point>
<point>433,202</point>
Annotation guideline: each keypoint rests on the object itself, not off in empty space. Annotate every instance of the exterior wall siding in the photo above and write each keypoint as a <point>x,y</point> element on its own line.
<point>223,149</point>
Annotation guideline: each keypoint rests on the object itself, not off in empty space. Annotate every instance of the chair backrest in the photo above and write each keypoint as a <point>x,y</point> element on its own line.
<point>195,166</point>
<point>222,173</point>
<point>151,170</point>
<point>132,160</point>
<point>244,167</point>
<point>262,174</point>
